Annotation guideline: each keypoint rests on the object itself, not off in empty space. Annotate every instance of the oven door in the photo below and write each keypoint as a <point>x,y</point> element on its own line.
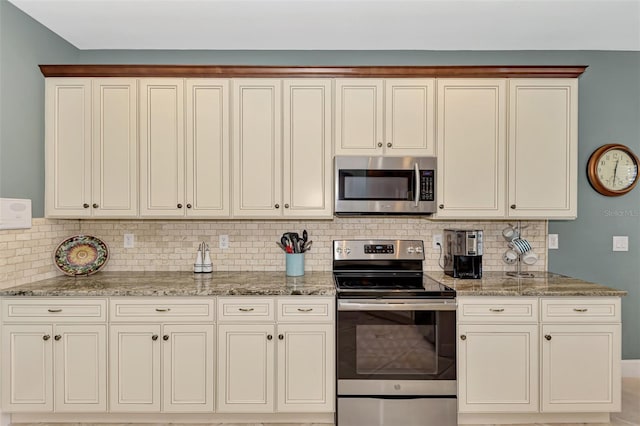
<point>384,185</point>
<point>396,347</point>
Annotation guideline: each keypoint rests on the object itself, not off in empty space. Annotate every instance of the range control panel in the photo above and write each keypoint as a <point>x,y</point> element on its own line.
<point>378,250</point>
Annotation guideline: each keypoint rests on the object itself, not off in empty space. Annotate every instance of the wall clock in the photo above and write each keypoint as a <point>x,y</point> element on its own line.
<point>613,170</point>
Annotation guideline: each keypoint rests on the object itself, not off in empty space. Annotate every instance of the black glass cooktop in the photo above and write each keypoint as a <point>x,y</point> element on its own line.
<point>381,284</point>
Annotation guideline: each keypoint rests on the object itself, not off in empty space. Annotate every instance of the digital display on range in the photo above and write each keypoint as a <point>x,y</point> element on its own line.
<point>378,248</point>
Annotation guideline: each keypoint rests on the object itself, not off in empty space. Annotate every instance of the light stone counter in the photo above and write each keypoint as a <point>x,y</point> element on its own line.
<point>179,284</point>
<point>543,284</point>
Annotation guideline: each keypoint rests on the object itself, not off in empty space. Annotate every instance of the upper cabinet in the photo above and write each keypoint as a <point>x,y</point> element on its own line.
<point>91,147</point>
<point>543,148</point>
<point>497,162</point>
<point>385,117</point>
<point>184,173</point>
<point>282,148</point>
<point>471,148</point>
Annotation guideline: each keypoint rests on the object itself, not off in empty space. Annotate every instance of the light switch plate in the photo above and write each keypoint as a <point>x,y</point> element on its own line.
<point>223,241</point>
<point>15,213</point>
<point>553,242</point>
<point>620,243</point>
<point>129,241</point>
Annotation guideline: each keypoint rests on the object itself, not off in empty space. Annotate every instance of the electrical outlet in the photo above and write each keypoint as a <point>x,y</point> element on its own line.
<point>129,241</point>
<point>621,243</point>
<point>553,242</point>
<point>437,241</point>
<point>223,241</point>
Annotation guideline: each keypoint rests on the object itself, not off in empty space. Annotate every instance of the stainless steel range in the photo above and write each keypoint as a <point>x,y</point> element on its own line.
<point>396,348</point>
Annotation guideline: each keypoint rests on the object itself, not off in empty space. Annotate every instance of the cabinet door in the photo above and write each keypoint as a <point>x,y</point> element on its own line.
<point>134,368</point>
<point>27,368</point>
<point>409,117</point>
<point>306,368</point>
<point>359,116</point>
<point>497,368</point>
<point>188,364</point>
<point>307,148</point>
<point>257,145</point>
<point>115,148</point>
<point>207,148</point>
<point>245,368</point>
<point>581,368</point>
<point>543,148</point>
<point>68,147</point>
<point>80,368</point>
<point>161,147</point>
<point>471,148</point>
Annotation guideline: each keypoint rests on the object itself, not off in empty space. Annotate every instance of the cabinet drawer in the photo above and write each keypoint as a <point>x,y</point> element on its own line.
<point>161,308</point>
<point>245,309</point>
<point>305,309</point>
<point>584,309</point>
<point>497,309</point>
<point>54,310</point>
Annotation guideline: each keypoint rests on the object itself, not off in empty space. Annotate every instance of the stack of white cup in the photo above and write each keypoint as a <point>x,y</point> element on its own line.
<point>518,247</point>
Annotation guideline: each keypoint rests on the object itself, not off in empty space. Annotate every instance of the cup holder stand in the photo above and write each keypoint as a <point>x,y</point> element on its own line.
<point>518,273</point>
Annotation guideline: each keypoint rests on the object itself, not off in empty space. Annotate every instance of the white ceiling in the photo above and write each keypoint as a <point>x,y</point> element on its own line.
<point>342,24</point>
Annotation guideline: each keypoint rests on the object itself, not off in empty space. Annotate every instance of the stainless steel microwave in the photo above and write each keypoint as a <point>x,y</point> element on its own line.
<point>384,185</point>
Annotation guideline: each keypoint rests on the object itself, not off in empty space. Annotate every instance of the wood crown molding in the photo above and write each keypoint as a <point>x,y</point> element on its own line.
<point>246,71</point>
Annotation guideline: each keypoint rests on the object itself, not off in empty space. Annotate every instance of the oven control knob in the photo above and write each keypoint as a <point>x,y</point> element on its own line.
<point>338,250</point>
<point>418,249</point>
<point>347,250</point>
<point>410,249</point>
<point>397,387</point>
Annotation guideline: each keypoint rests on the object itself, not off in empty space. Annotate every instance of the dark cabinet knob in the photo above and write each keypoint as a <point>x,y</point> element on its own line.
<point>277,206</point>
<point>389,145</point>
<point>286,206</point>
<point>95,206</point>
<point>188,206</point>
<point>463,337</point>
<point>441,206</point>
<point>154,337</point>
<point>57,337</point>
<point>269,337</point>
<point>379,144</point>
<point>547,336</point>
<point>165,337</point>
<point>281,336</point>
<point>179,205</point>
<point>85,205</point>
<point>46,337</point>
<point>513,206</point>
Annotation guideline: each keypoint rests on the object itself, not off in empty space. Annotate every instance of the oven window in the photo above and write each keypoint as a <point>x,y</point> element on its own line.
<point>399,345</point>
<point>376,185</point>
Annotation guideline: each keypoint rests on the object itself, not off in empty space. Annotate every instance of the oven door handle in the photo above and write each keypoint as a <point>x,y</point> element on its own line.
<point>396,305</point>
<point>416,200</point>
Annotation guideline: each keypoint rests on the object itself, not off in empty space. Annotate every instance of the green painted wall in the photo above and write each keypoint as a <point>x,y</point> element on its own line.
<point>24,44</point>
<point>609,112</point>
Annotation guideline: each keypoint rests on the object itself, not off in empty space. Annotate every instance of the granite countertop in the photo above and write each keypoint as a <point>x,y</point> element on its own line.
<point>542,284</point>
<point>179,284</point>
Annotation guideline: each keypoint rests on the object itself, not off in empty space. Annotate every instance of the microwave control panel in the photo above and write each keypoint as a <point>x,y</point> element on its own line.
<point>427,185</point>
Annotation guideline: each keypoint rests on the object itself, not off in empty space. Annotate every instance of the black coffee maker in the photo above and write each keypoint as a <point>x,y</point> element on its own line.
<point>463,253</point>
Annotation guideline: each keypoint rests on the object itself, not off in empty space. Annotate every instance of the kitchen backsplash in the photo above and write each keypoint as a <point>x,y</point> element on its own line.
<point>26,255</point>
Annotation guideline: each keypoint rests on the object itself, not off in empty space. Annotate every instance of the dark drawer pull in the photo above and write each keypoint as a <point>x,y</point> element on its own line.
<point>163,309</point>
<point>54,310</point>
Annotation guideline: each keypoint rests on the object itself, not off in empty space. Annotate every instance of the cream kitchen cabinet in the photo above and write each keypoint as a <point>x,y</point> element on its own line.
<point>162,355</point>
<point>91,146</point>
<point>497,355</point>
<point>184,173</point>
<point>499,162</point>
<point>471,140</point>
<point>537,358</point>
<point>282,148</point>
<point>264,366</point>
<point>385,117</point>
<point>53,359</point>
<point>543,148</point>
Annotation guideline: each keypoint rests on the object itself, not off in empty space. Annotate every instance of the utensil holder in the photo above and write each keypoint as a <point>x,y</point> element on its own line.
<point>294,264</point>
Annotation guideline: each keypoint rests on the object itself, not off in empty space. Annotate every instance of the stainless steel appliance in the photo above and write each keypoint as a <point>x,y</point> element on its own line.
<point>384,185</point>
<point>396,348</point>
<point>463,253</point>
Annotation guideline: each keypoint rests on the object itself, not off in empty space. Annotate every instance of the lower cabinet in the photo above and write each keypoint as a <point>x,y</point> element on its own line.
<point>569,355</point>
<point>51,359</point>
<point>264,366</point>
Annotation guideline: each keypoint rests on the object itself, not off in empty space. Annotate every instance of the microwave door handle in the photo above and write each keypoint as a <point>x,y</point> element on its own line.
<point>416,199</point>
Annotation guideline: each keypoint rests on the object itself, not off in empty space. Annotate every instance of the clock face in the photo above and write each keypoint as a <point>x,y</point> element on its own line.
<point>617,170</point>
